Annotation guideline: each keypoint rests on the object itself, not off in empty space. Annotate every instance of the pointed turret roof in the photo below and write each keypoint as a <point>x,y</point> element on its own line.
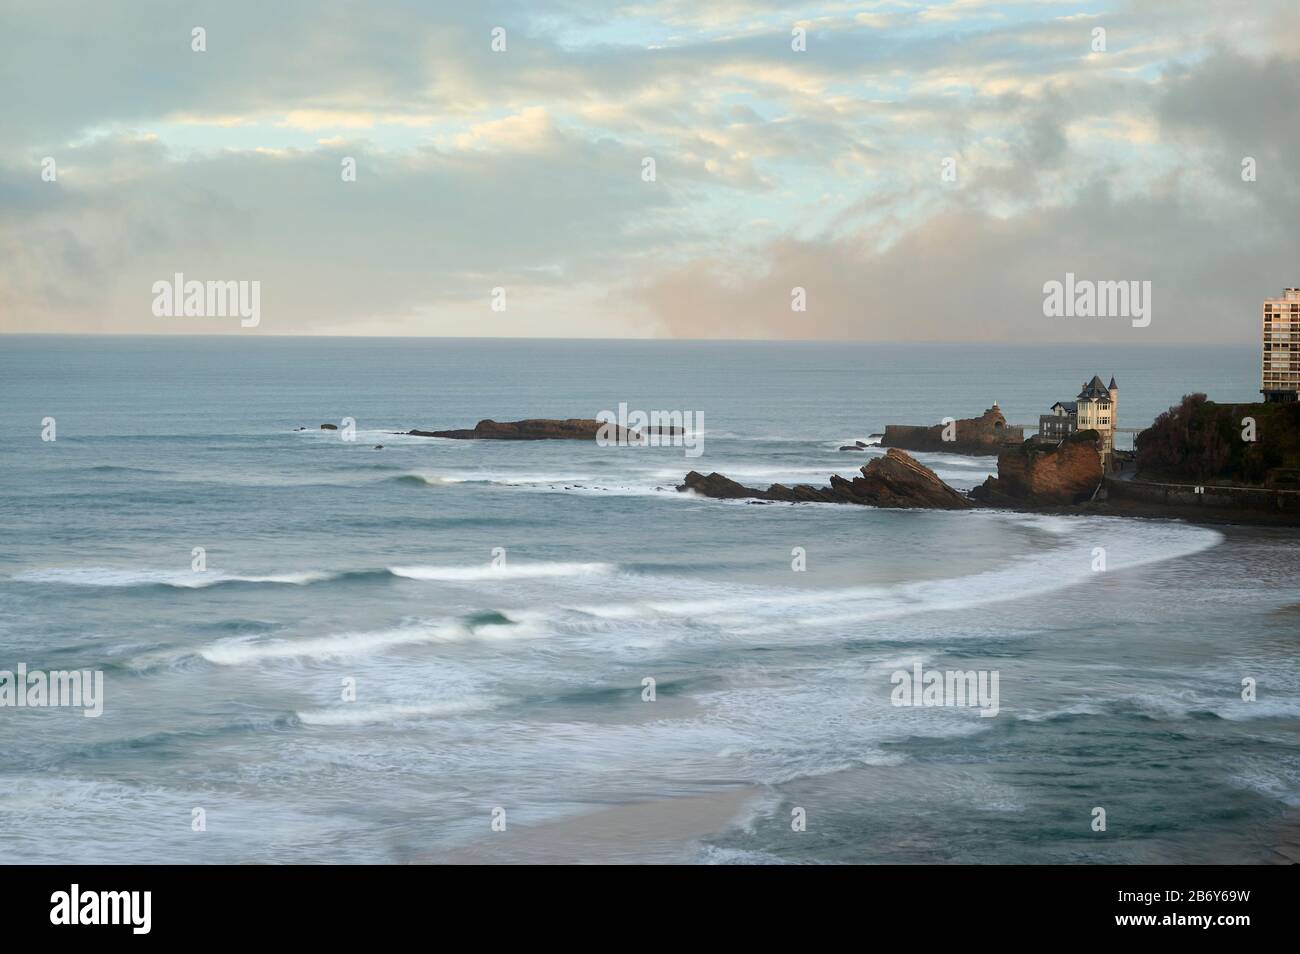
<point>1093,389</point>
<point>1112,386</point>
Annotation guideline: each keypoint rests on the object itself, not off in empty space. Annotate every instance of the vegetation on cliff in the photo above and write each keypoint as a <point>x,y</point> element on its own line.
<point>1199,440</point>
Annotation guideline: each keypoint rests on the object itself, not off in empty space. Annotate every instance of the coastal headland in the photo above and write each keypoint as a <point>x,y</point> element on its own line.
<point>1201,476</point>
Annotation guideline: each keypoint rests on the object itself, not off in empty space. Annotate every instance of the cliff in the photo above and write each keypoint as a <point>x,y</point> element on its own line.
<point>985,435</point>
<point>1044,475</point>
<point>1202,442</point>
<point>895,480</point>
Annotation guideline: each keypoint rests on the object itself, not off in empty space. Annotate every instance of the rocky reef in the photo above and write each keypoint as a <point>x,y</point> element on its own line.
<point>1035,474</point>
<point>985,435</point>
<point>543,429</point>
<point>1030,476</point>
<point>895,480</point>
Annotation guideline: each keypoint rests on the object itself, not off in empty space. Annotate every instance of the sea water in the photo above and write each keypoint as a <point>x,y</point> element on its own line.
<point>319,651</point>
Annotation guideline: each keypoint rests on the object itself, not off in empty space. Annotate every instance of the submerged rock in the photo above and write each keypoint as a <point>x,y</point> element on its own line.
<point>329,427</point>
<point>895,480</point>
<point>536,429</point>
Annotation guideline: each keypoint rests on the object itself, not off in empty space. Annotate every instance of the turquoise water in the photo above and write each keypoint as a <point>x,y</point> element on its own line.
<point>520,687</point>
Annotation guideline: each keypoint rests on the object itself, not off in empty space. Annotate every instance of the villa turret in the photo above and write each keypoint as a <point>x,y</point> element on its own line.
<point>1094,409</point>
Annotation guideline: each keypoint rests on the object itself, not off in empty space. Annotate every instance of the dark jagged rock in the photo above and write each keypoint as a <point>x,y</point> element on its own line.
<point>715,485</point>
<point>895,480</point>
<point>1045,475</point>
<point>538,429</point>
<point>987,434</point>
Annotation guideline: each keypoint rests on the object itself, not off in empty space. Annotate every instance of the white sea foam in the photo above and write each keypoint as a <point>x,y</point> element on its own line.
<point>431,480</point>
<point>236,652</point>
<point>765,610</point>
<point>511,571</point>
<point>496,478</point>
<point>183,579</point>
<point>244,651</point>
<point>354,714</point>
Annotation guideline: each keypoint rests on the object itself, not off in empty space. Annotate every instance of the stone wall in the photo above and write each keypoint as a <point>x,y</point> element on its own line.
<point>1250,499</point>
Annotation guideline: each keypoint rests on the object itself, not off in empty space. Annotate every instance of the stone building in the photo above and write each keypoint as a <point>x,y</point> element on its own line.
<point>1094,409</point>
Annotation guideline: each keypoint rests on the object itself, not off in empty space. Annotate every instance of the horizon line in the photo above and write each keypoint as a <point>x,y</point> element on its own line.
<point>371,337</point>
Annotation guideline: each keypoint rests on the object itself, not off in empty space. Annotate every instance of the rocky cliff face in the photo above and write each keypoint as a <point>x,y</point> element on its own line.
<point>987,434</point>
<point>1045,475</point>
<point>895,480</point>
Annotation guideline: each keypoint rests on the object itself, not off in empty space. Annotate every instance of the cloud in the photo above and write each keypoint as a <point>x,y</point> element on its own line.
<point>523,169</point>
<point>414,230</point>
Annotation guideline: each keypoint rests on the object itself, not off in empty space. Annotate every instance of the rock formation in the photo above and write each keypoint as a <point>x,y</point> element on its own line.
<point>538,429</point>
<point>895,480</point>
<point>987,434</point>
<point>1045,475</point>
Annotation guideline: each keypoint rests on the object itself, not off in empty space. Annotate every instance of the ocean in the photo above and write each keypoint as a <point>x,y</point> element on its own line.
<point>446,650</point>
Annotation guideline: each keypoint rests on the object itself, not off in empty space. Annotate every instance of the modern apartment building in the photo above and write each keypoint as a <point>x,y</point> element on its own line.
<point>1280,368</point>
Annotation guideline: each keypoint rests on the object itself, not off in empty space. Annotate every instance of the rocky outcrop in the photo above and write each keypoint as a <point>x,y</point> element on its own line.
<point>987,434</point>
<point>1045,475</point>
<point>895,480</point>
<point>537,429</point>
<point>715,485</point>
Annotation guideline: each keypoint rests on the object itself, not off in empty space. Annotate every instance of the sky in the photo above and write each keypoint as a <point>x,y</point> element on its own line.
<point>919,170</point>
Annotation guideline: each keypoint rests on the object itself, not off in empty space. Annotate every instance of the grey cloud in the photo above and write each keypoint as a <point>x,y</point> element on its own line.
<point>967,275</point>
<point>412,231</point>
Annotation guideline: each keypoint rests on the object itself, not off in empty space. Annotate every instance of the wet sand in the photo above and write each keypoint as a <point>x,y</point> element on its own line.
<point>659,831</point>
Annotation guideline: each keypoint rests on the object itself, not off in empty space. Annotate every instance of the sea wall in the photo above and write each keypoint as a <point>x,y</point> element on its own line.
<point>1183,496</point>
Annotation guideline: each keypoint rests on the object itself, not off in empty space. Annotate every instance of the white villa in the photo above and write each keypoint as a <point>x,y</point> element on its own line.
<point>1094,409</point>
